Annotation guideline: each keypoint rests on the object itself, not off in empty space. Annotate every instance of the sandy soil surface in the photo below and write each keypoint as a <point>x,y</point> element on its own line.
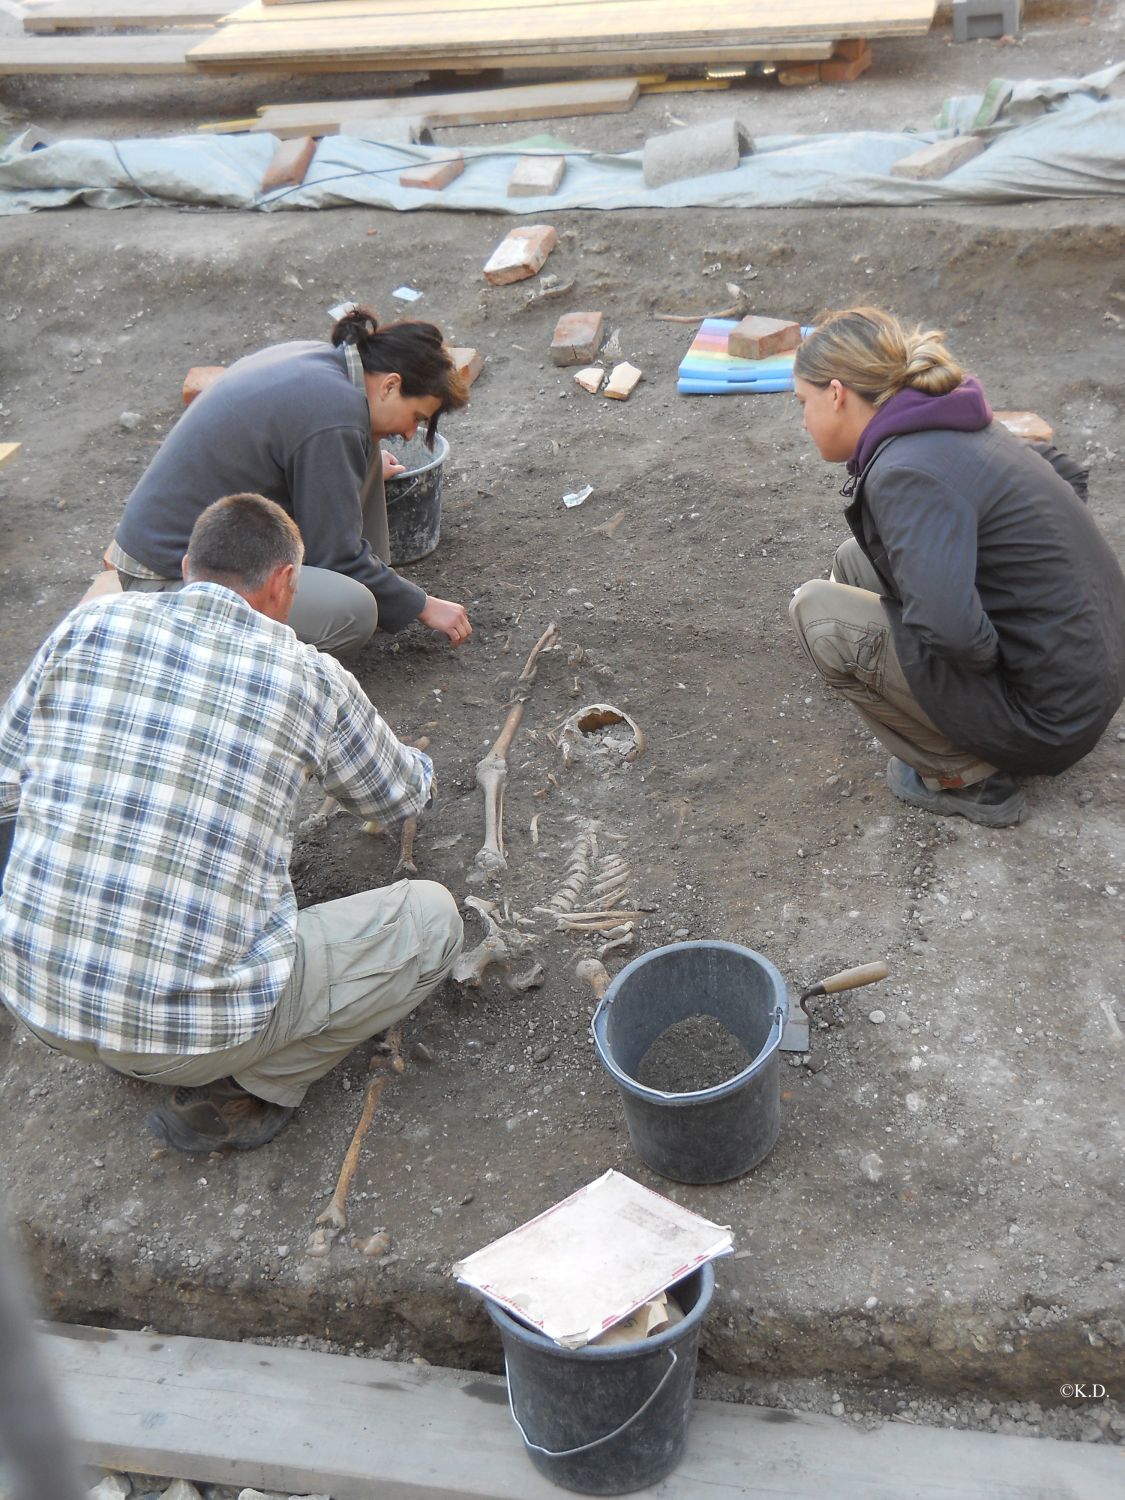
<point>942,1210</point>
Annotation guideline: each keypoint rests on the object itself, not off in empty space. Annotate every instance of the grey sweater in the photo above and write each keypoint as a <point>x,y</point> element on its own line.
<point>1006,603</point>
<point>287,423</point>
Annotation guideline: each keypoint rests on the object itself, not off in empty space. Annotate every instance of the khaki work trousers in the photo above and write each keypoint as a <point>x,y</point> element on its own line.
<point>330,611</point>
<point>844,631</point>
<point>363,963</point>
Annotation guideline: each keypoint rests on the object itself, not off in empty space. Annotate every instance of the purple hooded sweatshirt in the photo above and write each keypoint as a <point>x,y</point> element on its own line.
<point>962,410</point>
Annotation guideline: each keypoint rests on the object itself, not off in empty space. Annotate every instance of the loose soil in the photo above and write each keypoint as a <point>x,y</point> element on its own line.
<point>696,1053</point>
<point>978,1246</point>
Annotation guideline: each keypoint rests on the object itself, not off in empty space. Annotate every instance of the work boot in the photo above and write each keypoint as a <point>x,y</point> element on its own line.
<point>221,1116</point>
<point>996,802</point>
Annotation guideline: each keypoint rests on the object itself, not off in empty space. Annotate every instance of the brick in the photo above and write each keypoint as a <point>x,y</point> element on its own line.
<point>1026,425</point>
<point>536,176</point>
<point>622,381</point>
<point>434,175</point>
<point>201,378</point>
<point>290,163</point>
<point>578,337</point>
<point>468,362</point>
<point>520,254</point>
<point>845,69</point>
<point>755,338</point>
<point>590,379</point>
<point>939,159</point>
<point>798,74</point>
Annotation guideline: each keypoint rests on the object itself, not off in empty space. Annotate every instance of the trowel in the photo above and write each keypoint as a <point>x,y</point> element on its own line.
<point>795,1036</point>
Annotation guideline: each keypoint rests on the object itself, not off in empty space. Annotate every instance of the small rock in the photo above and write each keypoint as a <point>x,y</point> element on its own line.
<point>837,1408</point>
<point>282,1251</point>
<point>871,1302</point>
<point>130,420</point>
<point>541,1054</point>
<point>112,1487</point>
<point>1084,797</point>
<point>421,1053</point>
<point>871,1165</point>
<point>179,1489</point>
<point>914,1103</point>
<point>968,914</point>
<point>261,1495</point>
<point>877,1017</point>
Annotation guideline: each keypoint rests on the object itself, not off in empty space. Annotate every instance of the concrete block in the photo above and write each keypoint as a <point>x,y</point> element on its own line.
<point>578,337</point>
<point>434,175</point>
<point>290,163</point>
<point>622,381</point>
<point>536,176</point>
<point>1026,425</point>
<point>200,378</point>
<point>590,379</point>
<point>521,253</point>
<point>468,362</point>
<point>698,151</point>
<point>939,159</point>
<point>976,20</point>
<point>755,338</point>
<point>797,75</point>
<point>845,69</point>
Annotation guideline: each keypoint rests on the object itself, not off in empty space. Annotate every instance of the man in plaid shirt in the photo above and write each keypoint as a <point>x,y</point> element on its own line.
<point>154,752</point>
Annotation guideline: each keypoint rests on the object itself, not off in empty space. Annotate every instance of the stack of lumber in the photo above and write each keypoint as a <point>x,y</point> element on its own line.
<point>325,36</point>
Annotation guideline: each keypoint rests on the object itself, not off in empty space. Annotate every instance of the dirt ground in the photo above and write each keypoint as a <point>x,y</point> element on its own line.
<point>942,1211</point>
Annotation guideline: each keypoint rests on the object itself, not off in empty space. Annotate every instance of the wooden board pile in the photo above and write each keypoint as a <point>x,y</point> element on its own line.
<point>808,39</point>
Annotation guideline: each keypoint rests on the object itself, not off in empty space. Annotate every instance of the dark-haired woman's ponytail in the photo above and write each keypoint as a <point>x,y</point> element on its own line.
<point>355,324</point>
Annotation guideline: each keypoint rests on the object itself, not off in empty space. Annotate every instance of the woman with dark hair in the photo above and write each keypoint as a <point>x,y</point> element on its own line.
<point>976,616</point>
<point>300,423</point>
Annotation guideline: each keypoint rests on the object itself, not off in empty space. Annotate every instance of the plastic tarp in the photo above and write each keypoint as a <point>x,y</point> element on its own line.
<point>1062,138</point>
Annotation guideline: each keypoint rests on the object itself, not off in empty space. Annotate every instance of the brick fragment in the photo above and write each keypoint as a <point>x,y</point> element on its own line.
<point>521,253</point>
<point>468,363</point>
<point>434,175</point>
<point>536,176</point>
<point>590,379</point>
<point>798,74</point>
<point>622,381</point>
<point>1026,425</point>
<point>290,163</point>
<point>755,338</point>
<point>578,337</point>
<point>200,378</point>
<point>845,69</point>
<point>939,159</point>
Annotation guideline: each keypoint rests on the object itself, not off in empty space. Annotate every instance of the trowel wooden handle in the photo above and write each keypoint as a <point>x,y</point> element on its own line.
<point>853,979</point>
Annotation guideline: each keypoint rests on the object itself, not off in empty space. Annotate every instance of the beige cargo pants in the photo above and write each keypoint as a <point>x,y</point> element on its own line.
<point>844,631</point>
<point>363,963</point>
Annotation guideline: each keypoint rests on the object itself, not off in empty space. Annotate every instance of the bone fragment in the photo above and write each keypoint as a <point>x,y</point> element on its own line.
<point>611,527</point>
<point>624,941</point>
<point>320,1241</point>
<point>406,865</point>
<point>317,820</point>
<point>532,980</point>
<point>588,720</point>
<point>470,967</point>
<point>547,293</point>
<point>492,771</point>
<point>335,1215</point>
<point>592,972</point>
<point>736,310</point>
<point>534,829</point>
<point>378,1244</point>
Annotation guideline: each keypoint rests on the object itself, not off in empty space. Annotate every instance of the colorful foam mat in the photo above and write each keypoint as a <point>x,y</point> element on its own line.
<point>708,370</point>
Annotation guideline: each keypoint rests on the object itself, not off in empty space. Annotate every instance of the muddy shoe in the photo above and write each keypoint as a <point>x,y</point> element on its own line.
<point>996,802</point>
<point>221,1116</point>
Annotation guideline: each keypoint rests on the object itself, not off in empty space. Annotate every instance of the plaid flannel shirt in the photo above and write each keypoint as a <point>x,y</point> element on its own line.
<point>155,749</point>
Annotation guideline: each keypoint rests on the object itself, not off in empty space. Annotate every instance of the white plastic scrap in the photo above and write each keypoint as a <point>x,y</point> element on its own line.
<point>577,497</point>
<point>406,294</point>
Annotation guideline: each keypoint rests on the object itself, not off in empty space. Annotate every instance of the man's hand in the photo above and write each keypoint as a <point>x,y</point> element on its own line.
<point>391,465</point>
<point>449,618</point>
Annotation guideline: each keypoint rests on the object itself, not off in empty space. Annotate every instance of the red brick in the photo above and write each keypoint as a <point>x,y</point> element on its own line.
<point>853,47</point>
<point>755,338</point>
<point>796,74</point>
<point>939,159</point>
<point>468,362</point>
<point>845,69</point>
<point>578,337</point>
<point>536,176</point>
<point>434,175</point>
<point>622,381</point>
<point>520,254</point>
<point>1026,425</point>
<point>199,379</point>
<point>290,163</point>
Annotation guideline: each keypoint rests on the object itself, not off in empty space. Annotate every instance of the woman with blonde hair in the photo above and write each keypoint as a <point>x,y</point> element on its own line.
<point>976,616</point>
<point>300,423</point>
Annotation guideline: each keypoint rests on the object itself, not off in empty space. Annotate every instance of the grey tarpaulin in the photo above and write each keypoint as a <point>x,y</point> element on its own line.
<point>1057,139</point>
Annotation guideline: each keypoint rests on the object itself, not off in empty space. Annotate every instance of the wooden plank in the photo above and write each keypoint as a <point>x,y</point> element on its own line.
<point>346,10</point>
<point>612,24</point>
<point>160,52</point>
<point>90,15</point>
<point>301,1422</point>
<point>537,101</point>
<point>8,451</point>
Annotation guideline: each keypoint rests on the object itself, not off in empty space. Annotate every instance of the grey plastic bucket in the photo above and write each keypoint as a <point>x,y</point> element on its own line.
<point>717,1133</point>
<point>414,498</point>
<point>606,1421</point>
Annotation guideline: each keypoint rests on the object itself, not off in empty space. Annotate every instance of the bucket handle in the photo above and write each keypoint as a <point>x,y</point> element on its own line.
<point>412,484</point>
<point>585,1447</point>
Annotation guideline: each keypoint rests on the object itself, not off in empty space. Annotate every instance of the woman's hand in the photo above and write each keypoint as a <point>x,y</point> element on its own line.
<point>391,465</point>
<point>449,618</point>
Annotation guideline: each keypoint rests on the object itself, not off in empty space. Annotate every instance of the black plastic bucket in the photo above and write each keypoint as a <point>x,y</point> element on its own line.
<point>414,498</point>
<point>7,833</point>
<point>606,1421</point>
<point>717,1133</point>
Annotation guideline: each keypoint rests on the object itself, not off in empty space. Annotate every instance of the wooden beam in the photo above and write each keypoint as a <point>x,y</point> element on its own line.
<point>159,52</point>
<point>8,451</point>
<point>91,15</point>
